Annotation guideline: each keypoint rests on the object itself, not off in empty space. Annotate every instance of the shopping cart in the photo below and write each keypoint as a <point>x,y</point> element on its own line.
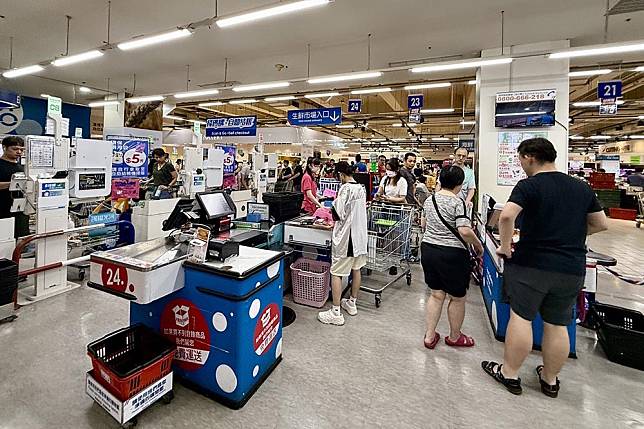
<point>329,184</point>
<point>640,217</point>
<point>388,245</point>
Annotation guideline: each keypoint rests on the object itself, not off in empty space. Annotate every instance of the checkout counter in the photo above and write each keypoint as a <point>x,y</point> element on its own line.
<point>224,313</point>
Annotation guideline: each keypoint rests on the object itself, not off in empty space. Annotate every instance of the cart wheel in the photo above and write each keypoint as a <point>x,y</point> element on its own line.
<point>81,275</point>
<point>378,300</point>
<point>168,397</point>
<point>130,423</point>
<point>409,279</point>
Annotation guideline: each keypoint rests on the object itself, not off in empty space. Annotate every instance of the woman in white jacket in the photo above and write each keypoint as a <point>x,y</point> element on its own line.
<point>349,246</point>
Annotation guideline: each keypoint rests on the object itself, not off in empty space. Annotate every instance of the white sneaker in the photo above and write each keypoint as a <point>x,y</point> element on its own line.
<point>330,318</point>
<point>350,308</point>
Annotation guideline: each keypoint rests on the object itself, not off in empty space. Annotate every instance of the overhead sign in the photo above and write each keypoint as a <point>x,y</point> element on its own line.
<point>129,156</point>
<point>415,102</point>
<point>518,96</point>
<point>607,157</point>
<point>196,127</point>
<point>608,109</point>
<point>9,99</point>
<point>610,89</point>
<point>312,117</point>
<point>54,106</point>
<point>232,126</point>
<point>355,106</point>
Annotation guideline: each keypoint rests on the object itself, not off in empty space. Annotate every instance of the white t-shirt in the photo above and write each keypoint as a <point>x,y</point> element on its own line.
<point>399,190</point>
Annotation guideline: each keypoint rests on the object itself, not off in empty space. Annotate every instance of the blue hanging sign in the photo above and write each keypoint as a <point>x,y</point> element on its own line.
<point>129,157</point>
<point>232,126</point>
<point>312,117</point>
<point>609,90</point>
<point>9,99</point>
<point>355,106</point>
<point>414,104</point>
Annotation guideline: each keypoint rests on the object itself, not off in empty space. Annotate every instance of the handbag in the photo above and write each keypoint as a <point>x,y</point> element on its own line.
<point>473,259</point>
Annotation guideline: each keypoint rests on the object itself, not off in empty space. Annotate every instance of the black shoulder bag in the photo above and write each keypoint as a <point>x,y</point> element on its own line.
<point>473,259</point>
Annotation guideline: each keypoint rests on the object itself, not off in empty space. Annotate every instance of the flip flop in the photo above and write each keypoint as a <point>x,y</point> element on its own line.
<point>493,369</point>
<point>431,344</point>
<point>547,389</point>
<point>462,341</point>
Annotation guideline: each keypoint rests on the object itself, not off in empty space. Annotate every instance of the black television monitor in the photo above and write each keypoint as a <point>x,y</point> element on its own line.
<point>519,114</point>
<point>216,204</point>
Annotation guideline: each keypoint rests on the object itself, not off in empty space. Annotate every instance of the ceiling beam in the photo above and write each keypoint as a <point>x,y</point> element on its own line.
<point>391,101</point>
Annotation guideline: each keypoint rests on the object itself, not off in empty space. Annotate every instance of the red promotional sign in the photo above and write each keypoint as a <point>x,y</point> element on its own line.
<point>115,277</point>
<point>183,323</point>
<point>126,187</point>
<point>268,324</point>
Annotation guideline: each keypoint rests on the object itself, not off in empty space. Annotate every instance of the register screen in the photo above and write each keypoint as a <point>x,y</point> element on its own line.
<point>215,205</point>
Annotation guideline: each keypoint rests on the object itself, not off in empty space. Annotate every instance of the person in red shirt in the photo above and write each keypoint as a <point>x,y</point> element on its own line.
<point>310,186</point>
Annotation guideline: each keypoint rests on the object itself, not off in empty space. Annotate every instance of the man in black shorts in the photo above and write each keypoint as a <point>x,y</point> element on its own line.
<point>546,270</point>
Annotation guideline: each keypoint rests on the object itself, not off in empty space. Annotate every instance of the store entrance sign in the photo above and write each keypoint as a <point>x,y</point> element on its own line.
<point>312,117</point>
<point>355,106</point>
<point>611,89</point>
<point>233,126</point>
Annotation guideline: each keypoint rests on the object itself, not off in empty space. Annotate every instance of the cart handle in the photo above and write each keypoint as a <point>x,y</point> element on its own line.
<point>102,288</point>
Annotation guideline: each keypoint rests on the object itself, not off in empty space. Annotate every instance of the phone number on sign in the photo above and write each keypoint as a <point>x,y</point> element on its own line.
<point>534,96</point>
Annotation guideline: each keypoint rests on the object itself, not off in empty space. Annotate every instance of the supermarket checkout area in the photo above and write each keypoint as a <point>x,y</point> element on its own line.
<point>497,308</point>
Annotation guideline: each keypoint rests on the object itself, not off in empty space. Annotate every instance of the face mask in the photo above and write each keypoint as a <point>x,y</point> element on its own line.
<point>390,173</point>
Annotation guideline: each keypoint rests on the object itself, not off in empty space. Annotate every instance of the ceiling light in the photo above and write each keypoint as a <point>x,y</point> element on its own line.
<point>345,126</point>
<point>471,82</point>
<point>521,113</point>
<point>614,48</point>
<point>592,103</point>
<point>601,137</point>
<point>639,69</point>
<point>243,101</point>
<point>370,91</point>
<point>344,77</point>
<point>585,73</point>
<point>104,103</point>
<point>84,89</point>
<point>260,86</point>
<point>428,86</point>
<point>461,65</point>
<point>437,111</point>
<point>399,125</point>
<point>175,118</point>
<point>73,59</point>
<point>212,103</point>
<point>322,95</point>
<point>153,40</point>
<point>440,139</point>
<point>267,12</point>
<point>636,136</point>
<point>576,138</point>
<point>145,99</point>
<point>45,95</point>
<point>22,71</point>
<point>280,98</point>
<point>467,122</point>
<point>199,93</point>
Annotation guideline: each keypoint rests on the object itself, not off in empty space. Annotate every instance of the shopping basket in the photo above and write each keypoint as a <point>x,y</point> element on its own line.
<point>130,359</point>
<point>621,334</point>
<point>311,282</point>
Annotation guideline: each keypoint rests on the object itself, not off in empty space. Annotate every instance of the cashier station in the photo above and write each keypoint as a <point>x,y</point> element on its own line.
<point>492,281</point>
<point>224,314</point>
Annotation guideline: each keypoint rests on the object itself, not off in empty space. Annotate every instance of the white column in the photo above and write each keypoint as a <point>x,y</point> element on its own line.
<point>114,115</point>
<point>531,70</point>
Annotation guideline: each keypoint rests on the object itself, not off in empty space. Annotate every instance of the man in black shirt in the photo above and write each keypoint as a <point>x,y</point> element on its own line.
<point>298,172</point>
<point>407,172</point>
<point>12,149</point>
<point>545,272</point>
<point>286,171</point>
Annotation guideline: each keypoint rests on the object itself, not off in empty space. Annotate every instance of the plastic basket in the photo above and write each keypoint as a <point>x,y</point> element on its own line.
<point>8,281</point>
<point>621,334</point>
<point>311,282</point>
<point>130,359</point>
<point>625,214</point>
<point>283,206</point>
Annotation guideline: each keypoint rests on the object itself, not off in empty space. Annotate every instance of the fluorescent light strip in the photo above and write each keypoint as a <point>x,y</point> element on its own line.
<point>467,122</point>
<point>145,99</point>
<point>636,136</point>
<point>104,103</point>
<point>153,40</point>
<point>84,90</point>
<point>345,126</point>
<point>428,86</point>
<point>601,137</point>
<point>278,9</point>
<point>243,101</point>
<point>521,113</point>
<point>212,103</point>
<point>593,103</point>
<point>437,111</point>
<point>370,91</point>
<point>461,65</point>
<point>576,138</point>
<point>322,95</point>
<point>198,93</point>
<point>280,98</point>
<point>639,69</point>
<point>175,118</point>
<point>471,82</point>
<point>344,77</point>
<point>45,95</point>
<point>22,71</point>
<point>73,59</point>
<point>616,48</point>
<point>586,73</point>
<point>441,139</point>
<point>260,86</point>
<point>399,125</point>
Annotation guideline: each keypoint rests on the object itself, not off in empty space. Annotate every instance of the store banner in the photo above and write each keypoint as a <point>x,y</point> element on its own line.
<point>30,117</point>
<point>9,99</point>
<point>125,187</point>
<point>232,126</point>
<point>129,156</point>
<point>313,117</point>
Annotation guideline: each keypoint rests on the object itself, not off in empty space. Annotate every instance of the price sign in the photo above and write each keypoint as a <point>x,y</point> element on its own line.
<point>355,106</point>
<point>610,89</point>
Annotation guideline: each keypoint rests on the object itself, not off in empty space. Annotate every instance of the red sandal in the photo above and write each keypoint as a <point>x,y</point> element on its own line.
<point>431,344</point>
<point>462,341</point>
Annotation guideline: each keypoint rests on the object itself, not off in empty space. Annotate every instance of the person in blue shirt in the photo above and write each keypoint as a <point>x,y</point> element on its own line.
<point>361,167</point>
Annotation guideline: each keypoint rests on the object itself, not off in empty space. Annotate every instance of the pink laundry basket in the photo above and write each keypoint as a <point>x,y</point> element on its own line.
<point>311,282</point>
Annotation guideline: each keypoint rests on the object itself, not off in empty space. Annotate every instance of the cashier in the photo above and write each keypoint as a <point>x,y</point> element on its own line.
<point>164,176</point>
<point>12,149</point>
<point>310,186</point>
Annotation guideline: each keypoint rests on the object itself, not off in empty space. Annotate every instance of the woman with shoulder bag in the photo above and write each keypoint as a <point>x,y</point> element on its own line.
<point>446,259</point>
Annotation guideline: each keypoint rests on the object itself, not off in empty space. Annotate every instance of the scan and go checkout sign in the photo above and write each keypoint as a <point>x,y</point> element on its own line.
<point>232,126</point>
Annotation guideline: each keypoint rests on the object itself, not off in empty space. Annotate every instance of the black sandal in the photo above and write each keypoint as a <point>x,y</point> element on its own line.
<point>547,389</point>
<point>493,369</point>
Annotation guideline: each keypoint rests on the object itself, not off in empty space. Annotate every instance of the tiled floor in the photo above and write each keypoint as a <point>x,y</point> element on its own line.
<point>373,372</point>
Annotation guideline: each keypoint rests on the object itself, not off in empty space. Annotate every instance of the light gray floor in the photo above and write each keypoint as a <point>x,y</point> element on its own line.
<point>373,372</point>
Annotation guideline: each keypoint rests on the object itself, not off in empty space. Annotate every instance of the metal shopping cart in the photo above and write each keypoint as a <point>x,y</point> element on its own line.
<point>388,245</point>
<point>640,216</point>
<point>329,184</point>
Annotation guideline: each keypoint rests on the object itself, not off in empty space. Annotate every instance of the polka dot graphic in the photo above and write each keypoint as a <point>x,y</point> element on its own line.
<point>254,308</point>
<point>255,370</point>
<point>278,349</point>
<point>226,378</point>
<point>273,269</point>
<point>219,321</point>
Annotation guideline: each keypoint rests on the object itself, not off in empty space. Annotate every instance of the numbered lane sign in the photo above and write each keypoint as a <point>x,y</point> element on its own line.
<point>415,101</point>
<point>355,106</point>
<point>610,89</point>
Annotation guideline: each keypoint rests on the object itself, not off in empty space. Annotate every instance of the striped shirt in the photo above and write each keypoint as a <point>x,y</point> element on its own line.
<point>453,210</point>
